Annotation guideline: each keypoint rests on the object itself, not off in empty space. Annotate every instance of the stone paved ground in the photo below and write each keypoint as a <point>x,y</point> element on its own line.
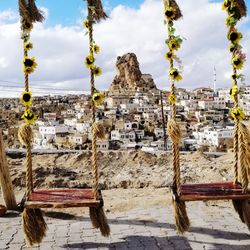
<point>213,227</point>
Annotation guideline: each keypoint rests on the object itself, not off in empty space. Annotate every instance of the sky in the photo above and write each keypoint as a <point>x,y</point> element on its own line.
<point>60,45</point>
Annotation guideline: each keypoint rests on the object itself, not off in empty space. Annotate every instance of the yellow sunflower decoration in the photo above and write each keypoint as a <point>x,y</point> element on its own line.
<point>237,62</point>
<point>28,46</point>
<point>174,44</point>
<point>233,47</point>
<point>172,99</point>
<point>97,71</point>
<point>174,74</point>
<point>170,13</point>
<point>234,92</point>
<point>226,4</point>
<point>29,117</point>
<point>237,114</point>
<point>96,49</point>
<point>86,24</point>
<point>97,98</point>
<point>89,61</point>
<point>169,55</point>
<point>29,65</point>
<point>234,77</point>
<point>234,36</point>
<point>26,98</point>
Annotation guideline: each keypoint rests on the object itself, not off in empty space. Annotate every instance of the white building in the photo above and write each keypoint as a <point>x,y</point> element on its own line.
<point>225,94</point>
<point>102,145</point>
<point>212,136</point>
<point>49,132</point>
<point>78,139</point>
<point>49,116</point>
<point>83,127</point>
<point>131,125</point>
<point>159,133</point>
<point>123,135</point>
<point>149,116</point>
<point>70,122</point>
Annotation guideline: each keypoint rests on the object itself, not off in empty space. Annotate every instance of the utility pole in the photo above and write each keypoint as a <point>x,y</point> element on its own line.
<point>163,124</point>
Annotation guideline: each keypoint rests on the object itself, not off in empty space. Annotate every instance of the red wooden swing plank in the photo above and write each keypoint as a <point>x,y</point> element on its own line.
<point>212,191</point>
<point>62,198</point>
<point>213,184</point>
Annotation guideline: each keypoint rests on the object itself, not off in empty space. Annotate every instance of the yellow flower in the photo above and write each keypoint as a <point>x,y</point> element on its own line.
<point>174,74</point>
<point>169,55</point>
<point>172,99</point>
<point>29,65</point>
<point>26,98</point>
<point>97,71</point>
<point>226,4</point>
<point>234,92</point>
<point>237,62</point>
<point>89,61</point>
<point>97,98</point>
<point>96,49</point>
<point>234,36</point>
<point>29,117</point>
<point>237,114</point>
<point>170,13</point>
<point>233,47</point>
<point>86,24</point>
<point>234,76</point>
<point>28,46</point>
<point>174,44</point>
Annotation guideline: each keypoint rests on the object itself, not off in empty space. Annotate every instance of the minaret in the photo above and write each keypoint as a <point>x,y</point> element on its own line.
<point>214,80</point>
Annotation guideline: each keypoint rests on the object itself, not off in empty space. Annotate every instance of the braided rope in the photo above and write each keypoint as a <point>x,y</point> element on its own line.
<point>175,150</point>
<point>175,135</point>
<point>25,136</point>
<point>26,132</point>
<point>243,138</point>
<point>235,151</point>
<point>26,75</point>
<point>94,131</point>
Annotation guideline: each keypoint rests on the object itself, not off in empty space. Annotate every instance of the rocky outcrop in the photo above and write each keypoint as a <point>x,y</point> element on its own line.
<point>129,78</point>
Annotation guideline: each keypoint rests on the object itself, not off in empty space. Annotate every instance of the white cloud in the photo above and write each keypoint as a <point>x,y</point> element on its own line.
<point>7,16</point>
<point>60,50</point>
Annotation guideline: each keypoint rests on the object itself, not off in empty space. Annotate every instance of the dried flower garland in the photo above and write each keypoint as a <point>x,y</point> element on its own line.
<point>97,96</point>
<point>29,66</point>
<point>235,10</point>
<point>172,12</point>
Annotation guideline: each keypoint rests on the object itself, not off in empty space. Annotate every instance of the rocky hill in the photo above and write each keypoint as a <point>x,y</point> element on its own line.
<point>120,169</point>
<point>129,78</point>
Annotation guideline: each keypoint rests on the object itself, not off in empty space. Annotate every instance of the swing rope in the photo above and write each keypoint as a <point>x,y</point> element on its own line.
<point>95,14</point>
<point>236,10</point>
<point>33,223</point>
<point>173,13</point>
<point>94,136</point>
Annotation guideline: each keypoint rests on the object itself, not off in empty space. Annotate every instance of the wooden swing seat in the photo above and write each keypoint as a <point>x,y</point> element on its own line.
<point>63,198</point>
<point>213,191</point>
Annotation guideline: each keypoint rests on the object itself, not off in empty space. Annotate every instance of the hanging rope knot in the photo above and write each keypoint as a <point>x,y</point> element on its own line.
<point>25,134</point>
<point>99,130</point>
<point>96,10</point>
<point>174,131</point>
<point>29,12</point>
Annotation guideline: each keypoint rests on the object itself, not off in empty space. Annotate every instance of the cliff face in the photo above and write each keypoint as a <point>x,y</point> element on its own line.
<point>129,78</point>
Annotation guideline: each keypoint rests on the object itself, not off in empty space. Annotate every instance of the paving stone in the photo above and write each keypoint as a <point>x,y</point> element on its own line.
<point>213,227</point>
